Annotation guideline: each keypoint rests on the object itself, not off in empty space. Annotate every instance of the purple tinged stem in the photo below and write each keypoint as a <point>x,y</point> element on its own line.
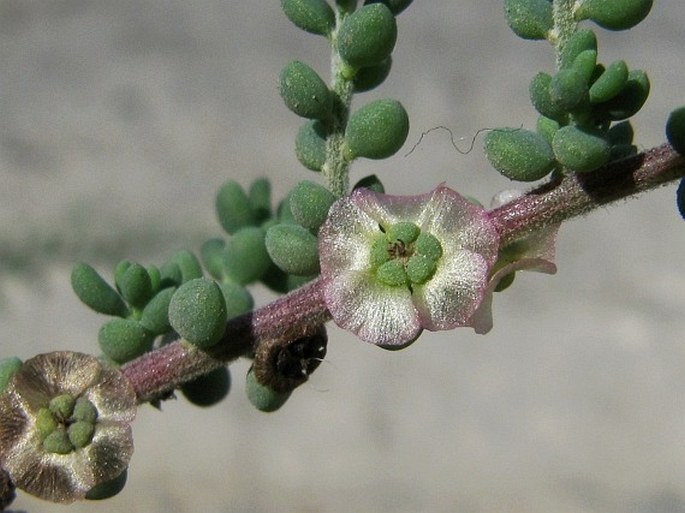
<point>166,368</point>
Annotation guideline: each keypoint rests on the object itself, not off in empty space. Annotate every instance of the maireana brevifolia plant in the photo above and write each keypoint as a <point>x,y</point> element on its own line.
<point>382,266</point>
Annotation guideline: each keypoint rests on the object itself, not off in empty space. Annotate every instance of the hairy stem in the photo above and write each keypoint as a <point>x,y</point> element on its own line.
<point>166,368</point>
<point>564,25</point>
<point>578,194</point>
<point>336,168</point>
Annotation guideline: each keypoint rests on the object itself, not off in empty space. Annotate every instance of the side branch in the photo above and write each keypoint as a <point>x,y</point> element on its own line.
<point>164,369</point>
<point>578,194</point>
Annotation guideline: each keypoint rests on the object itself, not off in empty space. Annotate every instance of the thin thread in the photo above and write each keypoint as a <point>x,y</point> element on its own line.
<point>454,144</point>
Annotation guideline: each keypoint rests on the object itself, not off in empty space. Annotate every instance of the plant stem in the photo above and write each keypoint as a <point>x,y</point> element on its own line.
<point>564,25</point>
<point>336,168</point>
<point>578,194</point>
<point>164,369</point>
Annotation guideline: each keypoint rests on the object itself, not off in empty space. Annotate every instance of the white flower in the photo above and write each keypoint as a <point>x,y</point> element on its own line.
<point>392,266</point>
<point>64,425</point>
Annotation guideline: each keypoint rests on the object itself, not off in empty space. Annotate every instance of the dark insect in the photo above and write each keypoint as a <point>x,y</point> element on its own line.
<point>301,357</point>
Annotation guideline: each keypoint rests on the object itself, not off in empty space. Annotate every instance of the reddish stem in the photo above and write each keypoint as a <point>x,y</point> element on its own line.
<point>162,370</point>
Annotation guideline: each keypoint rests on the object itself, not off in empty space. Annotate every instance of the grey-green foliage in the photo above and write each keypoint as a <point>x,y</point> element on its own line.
<point>582,99</point>
<point>197,312</point>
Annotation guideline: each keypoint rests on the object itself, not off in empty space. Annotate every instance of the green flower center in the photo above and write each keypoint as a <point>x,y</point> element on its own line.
<point>403,255</point>
<point>66,423</point>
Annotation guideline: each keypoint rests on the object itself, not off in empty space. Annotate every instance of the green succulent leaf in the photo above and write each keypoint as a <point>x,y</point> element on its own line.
<point>377,130</point>
<point>123,340</point>
<point>188,264</point>
<point>580,41</point>
<point>310,145</point>
<point>212,254</point>
<point>580,150</point>
<point>262,397</point>
<point>197,312</point>
<point>547,127</point>
<point>371,182</point>
<point>610,83</point>
<point>585,65</point>
<point>95,292</point>
<point>108,488</point>
<point>234,208</point>
<point>309,203</point>
<point>155,316</point>
<point>675,130</point>
<point>314,16</point>
<point>680,198</point>
<point>629,101</point>
<point>238,299</point>
<point>293,248</point>
<point>395,6</point>
<point>519,154</point>
<point>245,259</point>
<point>567,89</point>
<point>541,99</point>
<point>621,133</point>
<point>614,14</point>
<point>135,285</point>
<point>304,92</point>
<point>529,19</point>
<point>208,389</point>
<point>8,368</point>
<point>370,77</point>
<point>367,36</point>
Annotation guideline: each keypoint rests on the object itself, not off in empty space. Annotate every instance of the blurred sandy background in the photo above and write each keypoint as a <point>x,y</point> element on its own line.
<point>119,121</point>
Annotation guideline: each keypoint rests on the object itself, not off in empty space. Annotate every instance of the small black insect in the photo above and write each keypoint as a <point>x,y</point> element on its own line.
<point>283,365</point>
<point>301,357</point>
